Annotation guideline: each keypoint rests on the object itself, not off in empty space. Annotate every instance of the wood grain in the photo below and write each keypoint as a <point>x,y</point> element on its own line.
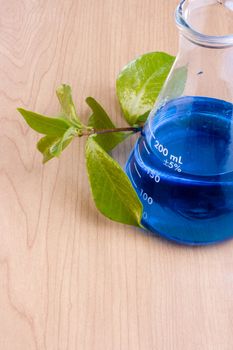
<point>69,278</point>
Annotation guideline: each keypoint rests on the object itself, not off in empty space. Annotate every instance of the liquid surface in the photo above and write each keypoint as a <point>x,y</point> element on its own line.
<point>182,170</point>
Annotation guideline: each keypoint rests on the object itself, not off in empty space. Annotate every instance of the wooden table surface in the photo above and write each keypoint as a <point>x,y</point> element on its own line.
<point>70,278</point>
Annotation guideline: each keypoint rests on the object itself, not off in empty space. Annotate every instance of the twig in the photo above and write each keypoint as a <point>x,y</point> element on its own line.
<point>108,131</point>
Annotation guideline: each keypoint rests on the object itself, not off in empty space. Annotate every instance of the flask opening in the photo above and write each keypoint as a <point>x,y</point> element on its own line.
<point>208,23</point>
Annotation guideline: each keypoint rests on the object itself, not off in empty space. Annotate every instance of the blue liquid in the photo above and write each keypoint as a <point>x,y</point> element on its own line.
<point>182,169</point>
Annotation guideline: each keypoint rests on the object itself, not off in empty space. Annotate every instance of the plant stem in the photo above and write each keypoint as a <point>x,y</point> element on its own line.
<point>108,131</point>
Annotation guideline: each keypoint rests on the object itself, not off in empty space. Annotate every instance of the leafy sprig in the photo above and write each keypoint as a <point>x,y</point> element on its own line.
<point>138,86</point>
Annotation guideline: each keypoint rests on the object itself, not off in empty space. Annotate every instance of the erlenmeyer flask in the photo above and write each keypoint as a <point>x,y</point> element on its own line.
<point>182,165</point>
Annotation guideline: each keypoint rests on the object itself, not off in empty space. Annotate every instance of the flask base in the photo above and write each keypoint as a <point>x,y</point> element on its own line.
<point>184,242</point>
<point>182,170</point>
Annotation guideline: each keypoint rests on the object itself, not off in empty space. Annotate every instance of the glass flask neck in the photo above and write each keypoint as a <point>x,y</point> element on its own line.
<point>207,23</point>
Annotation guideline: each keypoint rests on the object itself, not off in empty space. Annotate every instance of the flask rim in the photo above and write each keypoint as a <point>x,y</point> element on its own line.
<point>196,37</point>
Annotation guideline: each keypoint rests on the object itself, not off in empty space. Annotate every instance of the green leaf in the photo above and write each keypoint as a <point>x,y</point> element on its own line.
<point>63,142</point>
<point>44,146</point>
<point>112,191</point>
<point>45,125</point>
<point>64,94</point>
<point>175,85</point>
<point>52,146</point>
<point>100,120</point>
<point>139,84</point>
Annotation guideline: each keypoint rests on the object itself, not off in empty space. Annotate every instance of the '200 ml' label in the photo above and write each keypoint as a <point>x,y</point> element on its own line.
<point>171,161</point>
